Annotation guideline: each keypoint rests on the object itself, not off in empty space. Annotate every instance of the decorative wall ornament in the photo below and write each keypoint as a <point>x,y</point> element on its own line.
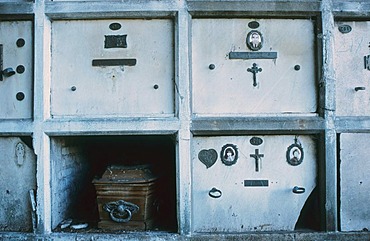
<point>229,154</point>
<point>254,40</point>
<point>253,24</point>
<point>20,153</point>
<point>344,28</point>
<point>254,70</point>
<point>115,26</point>
<point>294,153</point>
<point>208,157</point>
<point>256,141</point>
<point>258,159</point>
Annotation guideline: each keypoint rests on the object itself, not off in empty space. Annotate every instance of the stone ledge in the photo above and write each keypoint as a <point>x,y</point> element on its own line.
<point>159,236</point>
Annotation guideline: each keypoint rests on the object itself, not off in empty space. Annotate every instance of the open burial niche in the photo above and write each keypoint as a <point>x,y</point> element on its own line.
<point>113,183</point>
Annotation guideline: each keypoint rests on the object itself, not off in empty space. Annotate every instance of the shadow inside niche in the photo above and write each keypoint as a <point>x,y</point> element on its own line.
<point>309,218</point>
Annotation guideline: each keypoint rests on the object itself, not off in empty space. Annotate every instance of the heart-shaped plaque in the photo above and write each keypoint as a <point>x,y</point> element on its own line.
<point>208,157</point>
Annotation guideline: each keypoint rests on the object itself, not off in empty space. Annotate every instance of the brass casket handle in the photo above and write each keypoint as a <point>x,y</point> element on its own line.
<point>120,211</point>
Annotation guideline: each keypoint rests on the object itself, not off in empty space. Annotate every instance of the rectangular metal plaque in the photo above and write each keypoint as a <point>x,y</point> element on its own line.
<point>253,55</point>
<point>115,41</point>
<point>114,62</point>
<point>256,183</point>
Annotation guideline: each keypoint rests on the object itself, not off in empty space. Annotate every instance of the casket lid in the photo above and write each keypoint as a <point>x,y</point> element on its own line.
<point>127,174</point>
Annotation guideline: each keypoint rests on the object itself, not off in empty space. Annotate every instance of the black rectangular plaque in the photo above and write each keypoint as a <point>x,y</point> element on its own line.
<point>256,183</point>
<point>253,55</point>
<point>115,41</point>
<point>114,62</point>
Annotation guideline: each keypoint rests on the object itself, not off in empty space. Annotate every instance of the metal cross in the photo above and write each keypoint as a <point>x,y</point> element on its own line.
<point>257,156</point>
<point>254,70</point>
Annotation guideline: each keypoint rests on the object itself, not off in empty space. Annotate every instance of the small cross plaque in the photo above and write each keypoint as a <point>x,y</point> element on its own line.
<point>257,157</point>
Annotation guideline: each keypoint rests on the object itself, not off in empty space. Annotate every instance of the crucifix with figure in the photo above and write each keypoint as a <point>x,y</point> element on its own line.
<point>257,157</point>
<point>254,70</point>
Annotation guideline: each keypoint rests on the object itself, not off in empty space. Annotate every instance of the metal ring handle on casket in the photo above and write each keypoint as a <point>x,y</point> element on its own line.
<point>119,214</point>
<point>215,193</point>
<point>298,190</point>
<point>120,211</point>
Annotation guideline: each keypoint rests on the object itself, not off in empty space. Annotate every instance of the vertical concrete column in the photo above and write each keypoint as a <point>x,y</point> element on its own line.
<point>41,113</point>
<point>328,173</point>
<point>182,88</point>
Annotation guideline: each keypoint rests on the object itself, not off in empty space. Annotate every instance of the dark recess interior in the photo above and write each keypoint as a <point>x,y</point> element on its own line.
<point>103,151</point>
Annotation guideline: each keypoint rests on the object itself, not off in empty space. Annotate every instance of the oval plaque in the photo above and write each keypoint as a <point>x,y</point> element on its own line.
<point>254,40</point>
<point>344,28</point>
<point>294,154</point>
<point>256,141</point>
<point>115,26</point>
<point>253,24</point>
<point>229,154</point>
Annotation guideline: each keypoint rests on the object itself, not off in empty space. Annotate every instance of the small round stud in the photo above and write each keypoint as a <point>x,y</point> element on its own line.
<point>20,96</point>
<point>20,42</point>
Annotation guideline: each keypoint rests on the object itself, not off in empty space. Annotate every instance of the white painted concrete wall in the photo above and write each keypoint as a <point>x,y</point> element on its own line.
<point>350,72</point>
<point>183,15</point>
<point>17,178</point>
<point>243,208</point>
<point>228,88</point>
<point>146,89</point>
<point>20,82</point>
<point>354,182</point>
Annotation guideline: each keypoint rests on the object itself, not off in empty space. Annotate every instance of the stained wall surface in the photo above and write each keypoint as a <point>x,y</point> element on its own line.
<point>207,77</point>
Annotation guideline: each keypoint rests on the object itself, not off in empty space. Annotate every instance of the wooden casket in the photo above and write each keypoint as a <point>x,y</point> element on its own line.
<point>126,197</point>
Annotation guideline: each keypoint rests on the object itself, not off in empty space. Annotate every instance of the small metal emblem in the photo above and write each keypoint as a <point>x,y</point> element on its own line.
<point>344,28</point>
<point>253,24</point>
<point>115,41</point>
<point>254,70</point>
<point>256,141</point>
<point>295,154</point>
<point>115,26</point>
<point>208,157</point>
<point>258,159</point>
<point>254,40</point>
<point>229,154</point>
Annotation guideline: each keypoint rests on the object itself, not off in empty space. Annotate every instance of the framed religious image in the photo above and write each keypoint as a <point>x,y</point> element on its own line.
<point>229,154</point>
<point>294,154</point>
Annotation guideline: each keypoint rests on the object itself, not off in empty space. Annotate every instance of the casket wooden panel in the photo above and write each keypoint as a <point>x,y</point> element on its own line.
<point>121,185</point>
